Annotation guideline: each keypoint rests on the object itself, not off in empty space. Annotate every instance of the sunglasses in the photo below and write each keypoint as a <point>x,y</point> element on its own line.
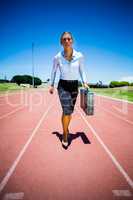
<point>65,39</point>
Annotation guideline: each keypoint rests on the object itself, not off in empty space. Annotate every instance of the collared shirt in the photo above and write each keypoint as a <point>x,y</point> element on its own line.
<point>69,70</point>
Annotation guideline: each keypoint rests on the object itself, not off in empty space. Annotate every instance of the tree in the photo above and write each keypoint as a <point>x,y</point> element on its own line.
<point>37,81</point>
<point>17,79</point>
<point>118,83</point>
<point>25,79</point>
<point>48,80</point>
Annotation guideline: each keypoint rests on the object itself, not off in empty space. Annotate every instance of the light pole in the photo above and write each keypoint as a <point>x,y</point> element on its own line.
<point>33,65</point>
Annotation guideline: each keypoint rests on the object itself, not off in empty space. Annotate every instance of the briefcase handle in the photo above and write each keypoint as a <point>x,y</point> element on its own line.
<point>87,89</point>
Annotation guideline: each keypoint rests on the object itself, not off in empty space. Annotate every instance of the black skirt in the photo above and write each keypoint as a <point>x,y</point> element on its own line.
<point>68,92</point>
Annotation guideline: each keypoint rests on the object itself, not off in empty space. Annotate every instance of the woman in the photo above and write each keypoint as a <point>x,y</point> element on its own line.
<point>70,64</point>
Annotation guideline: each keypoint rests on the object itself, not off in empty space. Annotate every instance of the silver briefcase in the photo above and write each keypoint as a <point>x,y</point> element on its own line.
<point>87,101</point>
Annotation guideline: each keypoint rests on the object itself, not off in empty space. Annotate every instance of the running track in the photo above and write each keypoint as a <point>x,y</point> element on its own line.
<point>98,164</point>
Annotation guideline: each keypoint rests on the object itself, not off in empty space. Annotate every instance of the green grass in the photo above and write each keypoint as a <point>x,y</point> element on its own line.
<point>125,93</point>
<point>9,87</point>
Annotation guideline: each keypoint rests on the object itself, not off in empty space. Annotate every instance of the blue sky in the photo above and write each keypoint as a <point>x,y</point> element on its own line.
<point>102,30</point>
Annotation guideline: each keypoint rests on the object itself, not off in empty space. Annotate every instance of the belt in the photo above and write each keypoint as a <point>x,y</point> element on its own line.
<point>69,81</point>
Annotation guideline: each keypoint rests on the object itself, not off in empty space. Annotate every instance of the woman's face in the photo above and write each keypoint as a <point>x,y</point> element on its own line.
<point>67,40</point>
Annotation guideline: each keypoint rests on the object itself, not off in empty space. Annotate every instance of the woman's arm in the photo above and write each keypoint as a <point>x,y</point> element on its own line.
<point>54,70</point>
<point>53,75</point>
<point>82,72</point>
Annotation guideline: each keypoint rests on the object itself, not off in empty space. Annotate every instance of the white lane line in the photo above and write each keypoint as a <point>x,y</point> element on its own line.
<point>122,193</point>
<point>118,109</point>
<point>111,98</point>
<point>13,196</point>
<point>12,168</point>
<point>118,116</point>
<point>10,113</point>
<point>112,157</point>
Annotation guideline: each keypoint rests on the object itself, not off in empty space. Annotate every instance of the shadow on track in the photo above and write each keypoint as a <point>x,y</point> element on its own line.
<point>72,137</point>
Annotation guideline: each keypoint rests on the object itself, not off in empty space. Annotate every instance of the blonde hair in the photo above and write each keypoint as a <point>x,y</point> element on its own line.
<point>64,34</point>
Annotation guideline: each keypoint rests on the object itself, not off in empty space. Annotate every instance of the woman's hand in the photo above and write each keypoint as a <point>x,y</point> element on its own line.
<point>85,85</point>
<point>51,90</point>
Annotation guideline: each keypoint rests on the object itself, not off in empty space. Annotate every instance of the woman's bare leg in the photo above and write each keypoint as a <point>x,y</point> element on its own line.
<point>65,123</point>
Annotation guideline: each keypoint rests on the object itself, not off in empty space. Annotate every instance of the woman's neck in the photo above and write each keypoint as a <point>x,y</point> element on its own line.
<point>68,52</point>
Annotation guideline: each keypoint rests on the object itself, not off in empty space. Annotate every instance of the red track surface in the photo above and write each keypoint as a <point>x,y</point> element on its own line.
<point>98,164</point>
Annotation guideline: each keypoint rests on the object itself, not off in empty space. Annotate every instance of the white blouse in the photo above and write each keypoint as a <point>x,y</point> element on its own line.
<point>69,70</point>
